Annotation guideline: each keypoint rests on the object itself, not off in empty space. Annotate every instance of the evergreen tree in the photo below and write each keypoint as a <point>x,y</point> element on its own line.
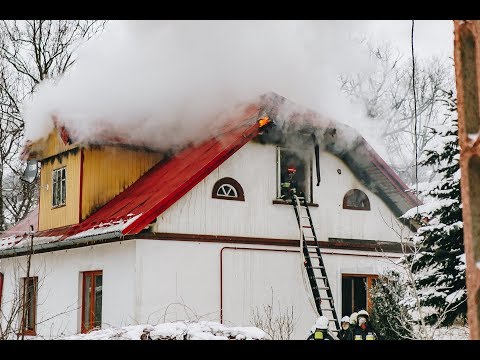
<point>390,316</point>
<point>439,263</point>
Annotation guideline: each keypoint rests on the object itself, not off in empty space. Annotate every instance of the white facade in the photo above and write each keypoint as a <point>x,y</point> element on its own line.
<point>254,166</point>
<point>153,280</point>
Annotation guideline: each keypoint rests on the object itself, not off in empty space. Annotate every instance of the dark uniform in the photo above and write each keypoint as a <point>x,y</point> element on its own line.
<point>364,332</point>
<point>320,334</point>
<point>345,334</point>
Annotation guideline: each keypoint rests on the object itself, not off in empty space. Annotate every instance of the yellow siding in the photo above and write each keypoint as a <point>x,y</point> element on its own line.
<point>109,170</point>
<point>53,145</point>
<point>49,217</point>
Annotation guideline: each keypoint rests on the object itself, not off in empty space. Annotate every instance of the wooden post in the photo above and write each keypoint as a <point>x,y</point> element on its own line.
<point>467,68</point>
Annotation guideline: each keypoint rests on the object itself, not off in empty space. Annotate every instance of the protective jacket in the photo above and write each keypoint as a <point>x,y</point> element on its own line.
<point>320,334</point>
<point>364,332</point>
<point>345,334</point>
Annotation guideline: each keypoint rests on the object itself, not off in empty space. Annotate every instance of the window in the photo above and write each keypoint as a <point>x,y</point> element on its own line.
<point>356,292</point>
<point>28,315</point>
<point>356,200</point>
<point>288,159</point>
<point>228,189</point>
<point>91,300</point>
<point>59,190</point>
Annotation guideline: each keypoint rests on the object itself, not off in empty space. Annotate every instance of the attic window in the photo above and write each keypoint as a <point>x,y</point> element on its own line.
<point>356,200</point>
<point>293,159</point>
<point>228,189</point>
<point>59,187</point>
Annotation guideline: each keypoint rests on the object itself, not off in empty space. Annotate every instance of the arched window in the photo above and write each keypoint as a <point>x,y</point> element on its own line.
<point>356,200</point>
<point>228,189</point>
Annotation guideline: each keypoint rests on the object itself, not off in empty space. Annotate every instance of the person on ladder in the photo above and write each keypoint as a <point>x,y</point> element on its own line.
<point>290,184</point>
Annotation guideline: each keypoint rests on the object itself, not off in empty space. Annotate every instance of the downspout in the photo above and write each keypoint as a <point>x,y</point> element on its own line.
<point>317,157</point>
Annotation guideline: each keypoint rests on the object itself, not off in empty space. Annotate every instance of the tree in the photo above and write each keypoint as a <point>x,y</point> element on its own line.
<point>387,96</point>
<point>390,316</point>
<point>30,52</point>
<point>439,264</point>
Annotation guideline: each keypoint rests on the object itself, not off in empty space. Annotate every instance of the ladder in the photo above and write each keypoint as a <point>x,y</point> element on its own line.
<point>313,262</point>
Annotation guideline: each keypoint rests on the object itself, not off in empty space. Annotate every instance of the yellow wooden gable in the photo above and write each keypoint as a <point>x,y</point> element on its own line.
<point>94,174</point>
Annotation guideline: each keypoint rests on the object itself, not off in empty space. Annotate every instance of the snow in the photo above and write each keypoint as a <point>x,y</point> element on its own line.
<point>429,207</point>
<point>457,295</point>
<point>104,228</point>
<point>180,330</point>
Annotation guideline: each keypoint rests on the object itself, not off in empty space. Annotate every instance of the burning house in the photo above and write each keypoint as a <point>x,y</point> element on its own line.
<point>126,234</point>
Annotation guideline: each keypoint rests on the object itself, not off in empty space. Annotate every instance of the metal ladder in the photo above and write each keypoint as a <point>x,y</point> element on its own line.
<point>317,274</point>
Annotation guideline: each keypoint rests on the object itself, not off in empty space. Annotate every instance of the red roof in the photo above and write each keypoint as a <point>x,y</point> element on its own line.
<point>168,181</point>
<point>141,203</point>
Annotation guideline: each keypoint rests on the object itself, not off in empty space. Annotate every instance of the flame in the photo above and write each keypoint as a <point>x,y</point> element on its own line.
<point>264,121</point>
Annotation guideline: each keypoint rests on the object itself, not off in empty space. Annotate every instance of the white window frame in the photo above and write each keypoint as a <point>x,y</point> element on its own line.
<point>59,180</point>
<point>230,187</point>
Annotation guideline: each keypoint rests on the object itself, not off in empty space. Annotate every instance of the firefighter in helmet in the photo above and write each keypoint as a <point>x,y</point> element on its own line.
<point>364,330</point>
<point>346,332</point>
<point>290,184</point>
<point>320,330</point>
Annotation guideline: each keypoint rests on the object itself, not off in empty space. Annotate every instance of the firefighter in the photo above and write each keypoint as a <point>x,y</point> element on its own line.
<point>345,331</point>
<point>320,330</point>
<point>290,184</point>
<point>353,320</point>
<point>364,330</point>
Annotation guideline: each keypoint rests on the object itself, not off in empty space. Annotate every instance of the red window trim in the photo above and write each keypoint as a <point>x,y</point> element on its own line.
<point>86,274</point>
<point>370,278</point>
<point>23,330</point>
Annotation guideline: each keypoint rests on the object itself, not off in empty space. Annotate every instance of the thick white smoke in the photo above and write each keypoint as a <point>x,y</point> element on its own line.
<point>162,82</point>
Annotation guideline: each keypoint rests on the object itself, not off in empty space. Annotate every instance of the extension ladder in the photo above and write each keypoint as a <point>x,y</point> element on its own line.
<point>316,272</point>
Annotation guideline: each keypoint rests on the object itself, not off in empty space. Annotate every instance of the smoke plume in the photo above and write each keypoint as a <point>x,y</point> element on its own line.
<point>162,82</point>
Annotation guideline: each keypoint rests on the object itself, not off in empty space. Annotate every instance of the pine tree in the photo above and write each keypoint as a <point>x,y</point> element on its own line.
<point>439,263</point>
<point>390,316</point>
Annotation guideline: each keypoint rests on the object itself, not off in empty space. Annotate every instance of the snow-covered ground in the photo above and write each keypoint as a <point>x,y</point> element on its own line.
<point>452,333</point>
<point>180,330</point>
<point>207,330</point>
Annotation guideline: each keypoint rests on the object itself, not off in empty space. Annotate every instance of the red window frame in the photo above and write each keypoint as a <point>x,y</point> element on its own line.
<point>370,278</point>
<point>33,306</point>
<point>91,275</point>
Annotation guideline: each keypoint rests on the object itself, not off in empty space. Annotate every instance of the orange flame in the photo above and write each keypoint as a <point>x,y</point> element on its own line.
<point>264,121</point>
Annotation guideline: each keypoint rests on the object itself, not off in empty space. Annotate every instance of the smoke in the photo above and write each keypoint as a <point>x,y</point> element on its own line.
<point>161,83</point>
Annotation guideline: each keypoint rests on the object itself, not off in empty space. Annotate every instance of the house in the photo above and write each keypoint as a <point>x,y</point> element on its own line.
<point>125,235</point>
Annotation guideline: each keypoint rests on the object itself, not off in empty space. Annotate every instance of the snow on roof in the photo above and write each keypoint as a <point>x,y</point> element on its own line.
<point>179,330</point>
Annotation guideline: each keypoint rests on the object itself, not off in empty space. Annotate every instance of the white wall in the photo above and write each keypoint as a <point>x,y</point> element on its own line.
<point>59,292</point>
<point>254,167</point>
<point>184,281</point>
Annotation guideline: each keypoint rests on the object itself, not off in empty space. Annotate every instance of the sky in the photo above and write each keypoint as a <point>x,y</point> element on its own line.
<point>431,37</point>
<point>147,80</point>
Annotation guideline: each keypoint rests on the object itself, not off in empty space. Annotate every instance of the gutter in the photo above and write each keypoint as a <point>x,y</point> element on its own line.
<point>64,244</point>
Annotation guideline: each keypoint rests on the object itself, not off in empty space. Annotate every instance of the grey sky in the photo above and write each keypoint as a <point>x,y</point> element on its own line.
<point>431,37</point>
